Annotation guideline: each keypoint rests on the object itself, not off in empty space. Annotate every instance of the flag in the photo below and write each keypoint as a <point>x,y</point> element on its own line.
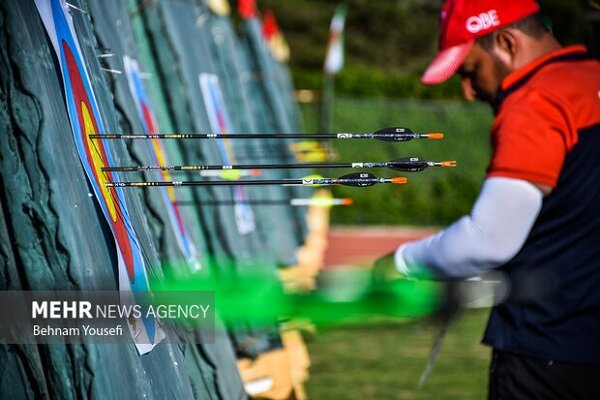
<point>247,8</point>
<point>334,60</point>
<point>274,38</point>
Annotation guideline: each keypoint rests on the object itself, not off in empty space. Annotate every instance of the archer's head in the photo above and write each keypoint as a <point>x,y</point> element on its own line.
<point>486,40</point>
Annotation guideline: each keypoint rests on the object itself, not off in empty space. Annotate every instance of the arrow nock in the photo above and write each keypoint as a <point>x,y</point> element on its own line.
<point>399,180</point>
<point>448,164</point>
<point>434,135</point>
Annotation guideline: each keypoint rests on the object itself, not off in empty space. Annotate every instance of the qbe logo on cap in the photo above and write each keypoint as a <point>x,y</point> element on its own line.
<point>485,20</point>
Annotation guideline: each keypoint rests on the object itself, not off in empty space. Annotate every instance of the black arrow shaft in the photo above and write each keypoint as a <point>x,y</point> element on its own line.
<point>217,136</point>
<point>239,167</point>
<point>322,136</point>
<point>392,137</point>
<point>348,180</point>
<point>408,164</point>
<point>207,183</point>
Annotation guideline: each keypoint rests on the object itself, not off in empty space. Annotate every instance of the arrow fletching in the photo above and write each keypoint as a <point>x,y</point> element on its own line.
<point>416,164</point>
<point>358,180</point>
<point>364,179</point>
<point>399,134</point>
<point>408,164</point>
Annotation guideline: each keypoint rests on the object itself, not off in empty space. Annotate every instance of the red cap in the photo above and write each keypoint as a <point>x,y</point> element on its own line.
<point>463,21</point>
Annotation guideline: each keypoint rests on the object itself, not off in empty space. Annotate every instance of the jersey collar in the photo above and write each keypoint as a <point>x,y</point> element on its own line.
<point>518,78</point>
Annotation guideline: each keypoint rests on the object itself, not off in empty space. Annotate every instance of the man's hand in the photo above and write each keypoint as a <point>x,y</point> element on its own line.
<point>384,270</point>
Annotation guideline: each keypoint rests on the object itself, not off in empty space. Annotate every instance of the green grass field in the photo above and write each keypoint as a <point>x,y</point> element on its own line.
<point>385,361</point>
<point>432,197</point>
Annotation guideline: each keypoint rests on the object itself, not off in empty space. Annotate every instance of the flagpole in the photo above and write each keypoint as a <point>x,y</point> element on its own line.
<point>334,61</point>
<point>327,99</point>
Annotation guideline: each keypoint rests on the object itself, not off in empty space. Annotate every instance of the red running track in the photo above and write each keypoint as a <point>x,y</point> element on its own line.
<point>360,246</point>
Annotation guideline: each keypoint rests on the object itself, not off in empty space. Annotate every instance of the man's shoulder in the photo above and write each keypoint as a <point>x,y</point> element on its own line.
<point>570,88</point>
<point>568,76</point>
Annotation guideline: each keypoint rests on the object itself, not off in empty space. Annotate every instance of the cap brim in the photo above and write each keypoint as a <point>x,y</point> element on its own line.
<point>446,63</point>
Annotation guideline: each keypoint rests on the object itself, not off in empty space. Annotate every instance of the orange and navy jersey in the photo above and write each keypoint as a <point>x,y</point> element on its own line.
<point>542,110</point>
<point>547,130</point>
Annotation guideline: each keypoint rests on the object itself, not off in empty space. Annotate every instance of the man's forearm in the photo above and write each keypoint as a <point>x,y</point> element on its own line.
<point>491,235</point>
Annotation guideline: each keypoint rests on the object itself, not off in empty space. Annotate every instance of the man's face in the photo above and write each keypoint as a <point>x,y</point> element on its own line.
<point>481,74</point>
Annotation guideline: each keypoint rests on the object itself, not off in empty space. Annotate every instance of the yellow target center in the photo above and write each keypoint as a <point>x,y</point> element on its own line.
<point>97,161</point>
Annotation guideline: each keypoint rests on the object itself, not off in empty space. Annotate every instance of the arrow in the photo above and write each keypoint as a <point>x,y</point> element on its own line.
<point>317,202</point>
<point>407,164</point>
<point>387,134</point>
<point>356,180</point>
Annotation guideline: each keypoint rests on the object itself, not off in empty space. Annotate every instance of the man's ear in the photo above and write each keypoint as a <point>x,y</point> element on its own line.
<point>506,46</point>
<point>506,41</point>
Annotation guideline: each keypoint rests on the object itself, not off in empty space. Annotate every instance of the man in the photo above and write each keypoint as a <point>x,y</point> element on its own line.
<point>537,218</point>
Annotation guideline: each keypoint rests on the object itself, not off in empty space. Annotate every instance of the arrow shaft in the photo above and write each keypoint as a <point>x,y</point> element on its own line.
<point>345,180</point>
<point>217,136</point>
<point>392,137</point>
<point>239,167</point>
<point>207,183</point>
<point>318,136</point>
<point>409,164</point>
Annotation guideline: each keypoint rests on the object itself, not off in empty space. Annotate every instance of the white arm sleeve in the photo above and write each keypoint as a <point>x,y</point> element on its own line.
<point>493,234</point>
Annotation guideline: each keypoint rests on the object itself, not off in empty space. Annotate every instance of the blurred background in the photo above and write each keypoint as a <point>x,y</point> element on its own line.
<point>387,45</point>
<point>224,66</point>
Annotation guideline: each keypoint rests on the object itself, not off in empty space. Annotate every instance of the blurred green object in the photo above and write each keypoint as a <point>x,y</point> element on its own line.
<point>345,294</point>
